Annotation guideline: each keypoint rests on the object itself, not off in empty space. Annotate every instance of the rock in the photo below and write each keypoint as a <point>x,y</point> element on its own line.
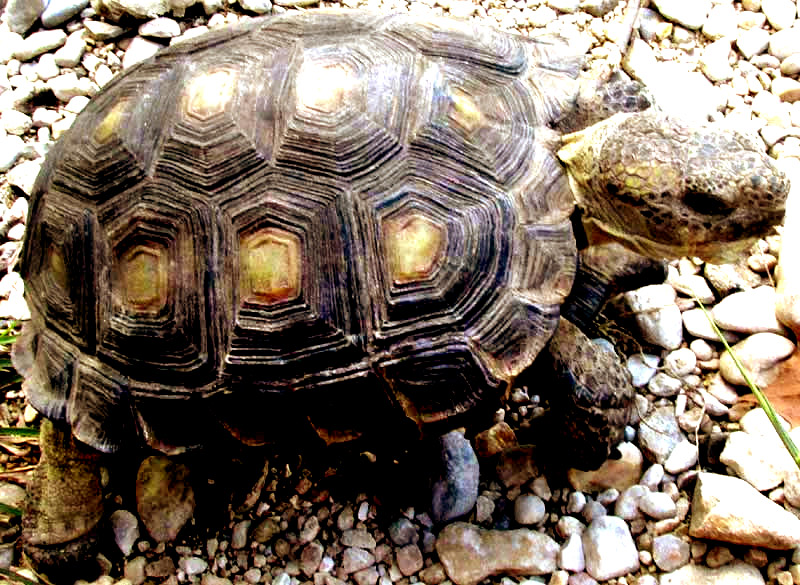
<point>714,61</point>
<point>409,559</point>
<point>738,573</point>
<point>21,14</point>
<point>697,324</point>
<point>681,362</point>
<point>359,538</point>
<point>38,43</point>
<point>60,11</point>
<point>722,22</point>
<point>355,559</point>
<point>126,530</point>
<point>683,456</point>
<point>657,505</point>
<point>761,461</point>
<point>780,13</point>
<point>664,385</point>
<point>670,552</point>
<point>751,311</point>
<point>23,176</point>
<point>311,557</point>
<point>657,314</point>
<point>752,42</point>
<point>570,557</point>
<point>692,15</point>
<point>454,493</point>
<point>614,473</point>
<point>15,122</point>
<point>529,509</point>
<point>402,532</point>
<point>102,31</point>
<point>192,565</point>
<point>469,554</point>
<point>139,50</point>
<point>729,509</point>
<point>141,9</point>
<point>642,368</point>
<point>627,505</point>
<point>71,53</point>
<point>516,466</point>
<point>494,440</point>
<point>659,433</point>
<point>160,28</point>
<point>785,42</point>
<point>760,355</point>
<point>609,549</point>
<point>164,497</point>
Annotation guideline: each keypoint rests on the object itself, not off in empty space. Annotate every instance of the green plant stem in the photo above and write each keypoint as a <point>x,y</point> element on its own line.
<point>762,400</point>
<point>12,576</point>
<point>18,432</point>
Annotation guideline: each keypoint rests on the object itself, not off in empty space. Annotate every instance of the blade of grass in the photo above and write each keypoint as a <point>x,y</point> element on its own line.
<point>19,432</point>
<point>12,576</point>
<point>762,400</point>
<point>10,510</point>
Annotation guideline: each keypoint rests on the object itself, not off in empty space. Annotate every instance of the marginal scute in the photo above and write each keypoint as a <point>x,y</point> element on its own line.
<point>270,266</point>
<point>414,244</point>
<point>144,273</point>
<point>209,94</point>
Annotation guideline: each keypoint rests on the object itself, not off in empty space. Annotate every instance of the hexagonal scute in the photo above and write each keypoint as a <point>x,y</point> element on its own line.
<point>153,313</point>
<point>414,245</point>
<point>285,253</point>
<point>270,266</point>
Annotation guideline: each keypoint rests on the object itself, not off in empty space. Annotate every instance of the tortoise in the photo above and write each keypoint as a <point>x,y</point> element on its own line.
<point>354,221</point>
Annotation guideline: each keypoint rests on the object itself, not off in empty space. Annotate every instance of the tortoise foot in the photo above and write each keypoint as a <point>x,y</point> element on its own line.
<point>64,505</point>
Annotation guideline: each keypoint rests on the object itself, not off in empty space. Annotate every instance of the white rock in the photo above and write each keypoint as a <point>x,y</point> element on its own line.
<point>160,28</point>
<point>15,122</point>
<point>24,175</point>
<point>697,324</point>
<point>11,148</point>
<point>627,505</point>
<point>664,385</point>
<point>66,86</point>
<point>756,422</point>
<point>693,285</point>
<point>570,557</point>
<point>760,355</point>
<point>756,459</point>
<point>529,509</point>
<point>257,6</point>
<point>737,573</point>
<point>657,505</point>
<point>126,530</point>
<point>139,50</point>
<point>659,433</point>
<point>780,13</point>
<point>722,21</point>
<point>714,60</point>
<point>680,362</point>
<point>71,53</point>
<point>683,456</point>
<point>21,14</point>
<point>609,549</point>
<point>786,88</point>
<point>38,43</point>
<point>642,368</point>
<point>670,552</point>
<point>729,509</point>
<point>750,311</point>
<point>785,42</point>
<point>752,42</point>
<point>702,349</point>
<point>657,314</point>
<point>60,11</point>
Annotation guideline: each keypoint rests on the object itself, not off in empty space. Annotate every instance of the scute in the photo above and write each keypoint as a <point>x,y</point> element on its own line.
<point>333,217</point>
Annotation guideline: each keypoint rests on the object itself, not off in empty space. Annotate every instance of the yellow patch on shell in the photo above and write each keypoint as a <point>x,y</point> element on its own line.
<point>323,87</point>
<point>414,245</point>
<point>144,275</point>
<point>58,268</point>
<point>464,111</point>
<point>270,265</point>
<point>110,123</point>
<point>209,94</point>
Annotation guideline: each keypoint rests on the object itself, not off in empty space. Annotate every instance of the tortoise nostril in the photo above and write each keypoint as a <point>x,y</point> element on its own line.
<point>707,203</point>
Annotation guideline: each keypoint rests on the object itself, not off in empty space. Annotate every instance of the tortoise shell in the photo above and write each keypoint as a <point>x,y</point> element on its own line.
<point>348,218</point>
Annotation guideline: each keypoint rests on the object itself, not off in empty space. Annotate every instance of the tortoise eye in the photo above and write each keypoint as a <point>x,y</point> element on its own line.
<point>707,203</point>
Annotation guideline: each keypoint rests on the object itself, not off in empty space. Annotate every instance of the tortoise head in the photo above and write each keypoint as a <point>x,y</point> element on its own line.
<point>666,189</point>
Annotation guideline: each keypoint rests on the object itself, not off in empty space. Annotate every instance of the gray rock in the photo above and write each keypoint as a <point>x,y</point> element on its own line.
<point>160,28</point>
<point>192,565</point>
<point>664,385</point>
<point>659,433</point>
<point>71,53</point>
<point>652,26</point>
<point>680,362</point>
<point>402,531</point>
<point>355,559</point>
<point>609,549</point>
<point>683,456</point>
<point>60,11</point>
<point>670,552</point>
<point>454,493</point>
<point>627,506</point>
<point>21,14</point>
<point>239,534</point>
<point>126,530</point>
<point>141,9</point>
<point>102,31</point>
<point>529,509</point>
<point>642,368</point>
<point>38,43</point>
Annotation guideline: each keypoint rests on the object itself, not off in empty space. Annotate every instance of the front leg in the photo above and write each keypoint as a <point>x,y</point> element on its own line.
<point>64,506</point>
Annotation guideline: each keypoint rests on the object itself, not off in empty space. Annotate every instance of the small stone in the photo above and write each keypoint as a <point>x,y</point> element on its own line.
<point>698,325</point>
<point>38,43</point>
<point>683,456</point>
<point>576,502</point>
<point>164,497</point>
<point>60,11</point>
<point>780,13</point>
<point>760,355</point>
<point>160,28</point>
<point>735,574</point>
<point>680,362</point>
<point>71,53</point>
<point>609,549</point>
<point>21,14</point>
<point>751,311</point>
<point>714,62</point>
<point>659,433</point>
<point>402,531</point>
<point>752,42</point>
<point>355,559</point>
<point>657,314</point>
<point>618,473</point>
<point>786,88</point>
<point>719,556</point>
<point>670,552</point>
<point>761,461</point>
<point>664,385</point>
<point>494,440</point>
<point>311,557</point>
<point>529,509</point>
<point>454,493</point>
<point>469,554</point>
<point>721,22</point>
<point>722,391</point>
<point>359,538</point>
<point>657,505</point>
<point>570,557</point>
<point>126,530</point>
<point>701,349</point>
<point>642,368</point>
<point>257,6</point>
<point>192,565</point>
<point>138,50</point>
<point>409,559</point>
<point>627,506</point>
<point>731,510</point>
<point>102,31</point>
<point>266,530</point>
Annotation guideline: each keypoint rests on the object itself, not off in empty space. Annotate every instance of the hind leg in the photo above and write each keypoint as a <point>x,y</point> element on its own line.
<point>64,505</point>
